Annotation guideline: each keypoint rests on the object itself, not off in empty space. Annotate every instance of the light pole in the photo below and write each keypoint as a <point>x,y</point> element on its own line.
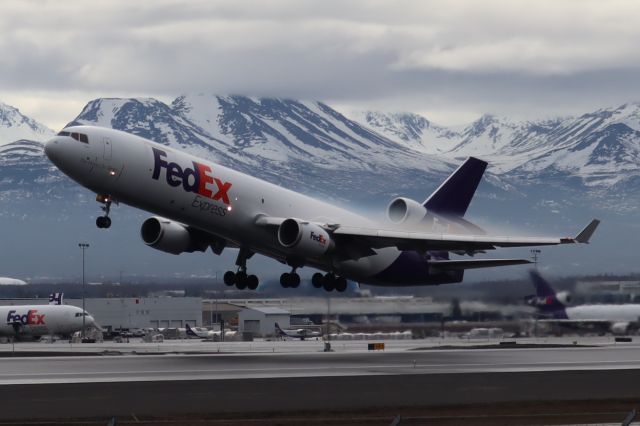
<point>83,246</point>
<point>534,254</point>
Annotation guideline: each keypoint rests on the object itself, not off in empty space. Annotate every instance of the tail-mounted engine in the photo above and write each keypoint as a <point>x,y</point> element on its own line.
<point>564,297</point>
<point>406,211</point>
<point>307,239</point>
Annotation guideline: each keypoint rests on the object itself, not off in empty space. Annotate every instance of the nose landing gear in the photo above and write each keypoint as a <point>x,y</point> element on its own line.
<point>104,222</point>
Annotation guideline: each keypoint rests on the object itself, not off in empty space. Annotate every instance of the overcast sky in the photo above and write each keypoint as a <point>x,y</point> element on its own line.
<point>449,60</point>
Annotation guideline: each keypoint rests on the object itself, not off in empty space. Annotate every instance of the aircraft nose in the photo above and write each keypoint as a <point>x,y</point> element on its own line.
<point>51,148</point>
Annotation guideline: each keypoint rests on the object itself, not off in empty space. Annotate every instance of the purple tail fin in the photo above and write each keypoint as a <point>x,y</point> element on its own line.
<point>454,195</point>
<point>546,300</point>
<point>543,288</point>
<point>190,331</point>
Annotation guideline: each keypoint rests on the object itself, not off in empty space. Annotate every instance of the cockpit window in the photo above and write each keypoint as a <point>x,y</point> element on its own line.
<point>80,314</point>
<point>80,137</point>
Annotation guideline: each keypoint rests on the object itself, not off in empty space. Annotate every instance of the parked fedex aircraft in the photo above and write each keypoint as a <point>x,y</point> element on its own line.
<point>200,204</point>
<point>194,332</point>
<point>209,335</point>
<point>298,333</point>
<point>553,307</point>
<point>41,320</point>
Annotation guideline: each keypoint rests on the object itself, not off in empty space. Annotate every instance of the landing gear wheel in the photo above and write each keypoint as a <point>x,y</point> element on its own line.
<point>241,280</point>
<point>103,222</point>
<point>328,282</point>
<point>285,280</point>
<point>341,284</point>
<point>252,282</point>
<point>229,278</point>
<point>316,280</point>
<point>294,280</point>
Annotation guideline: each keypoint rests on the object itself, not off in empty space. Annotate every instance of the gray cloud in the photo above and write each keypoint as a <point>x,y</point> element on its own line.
<point>451,59</point>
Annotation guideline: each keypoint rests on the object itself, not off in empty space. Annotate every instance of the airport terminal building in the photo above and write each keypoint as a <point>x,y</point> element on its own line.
<point>141,312</point>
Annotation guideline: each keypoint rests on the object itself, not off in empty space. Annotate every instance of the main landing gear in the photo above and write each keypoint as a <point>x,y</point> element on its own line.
<point>290,279</point>
<point>104,222</point>
<point>329,282</point>
<point>240,278</point>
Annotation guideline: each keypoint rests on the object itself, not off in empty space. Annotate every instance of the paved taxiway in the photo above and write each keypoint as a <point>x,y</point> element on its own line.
<point>95,386</point>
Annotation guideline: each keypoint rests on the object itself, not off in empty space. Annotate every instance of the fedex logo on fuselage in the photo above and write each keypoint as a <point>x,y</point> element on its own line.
<point>32,317</point>
<point>192,180</point>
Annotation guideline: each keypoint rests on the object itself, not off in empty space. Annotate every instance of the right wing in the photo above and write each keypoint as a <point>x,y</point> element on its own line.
<point>423,241</point>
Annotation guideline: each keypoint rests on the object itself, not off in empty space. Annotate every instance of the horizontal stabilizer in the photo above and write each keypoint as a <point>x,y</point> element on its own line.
<point>476,263</point>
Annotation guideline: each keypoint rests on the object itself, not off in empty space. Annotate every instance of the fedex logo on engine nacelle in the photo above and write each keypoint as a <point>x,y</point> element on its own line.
<point>32,317</point>
<point>318,237</point>
<point>192,180</point>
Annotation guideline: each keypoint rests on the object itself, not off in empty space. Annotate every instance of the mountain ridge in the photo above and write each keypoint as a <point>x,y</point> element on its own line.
<point>310,146</point>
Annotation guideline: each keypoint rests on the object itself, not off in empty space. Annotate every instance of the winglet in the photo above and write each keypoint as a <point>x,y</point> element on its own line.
<point>585,235</point>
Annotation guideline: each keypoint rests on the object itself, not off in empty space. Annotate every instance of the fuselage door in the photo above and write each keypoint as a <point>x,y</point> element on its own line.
<point>108,148</point>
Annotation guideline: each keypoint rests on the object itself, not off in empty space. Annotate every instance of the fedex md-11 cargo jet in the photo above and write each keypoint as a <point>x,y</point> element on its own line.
<point>33,321</point>
<point>199,205</point>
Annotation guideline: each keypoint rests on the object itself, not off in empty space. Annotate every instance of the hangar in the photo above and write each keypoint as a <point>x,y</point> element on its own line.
<point>141,312</point>
<point>133,312</point>
<point>261,321</point>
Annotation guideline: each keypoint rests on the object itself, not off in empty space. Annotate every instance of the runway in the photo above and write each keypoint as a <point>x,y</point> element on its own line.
<point>135,368</point>
<point>311,382</point>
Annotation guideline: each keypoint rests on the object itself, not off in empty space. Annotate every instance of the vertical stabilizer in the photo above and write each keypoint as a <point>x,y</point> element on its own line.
<point>546,300</point>
<point>543,288</point>
<point>454,195</point>
<point>280,332</point>
<point>189,331</point>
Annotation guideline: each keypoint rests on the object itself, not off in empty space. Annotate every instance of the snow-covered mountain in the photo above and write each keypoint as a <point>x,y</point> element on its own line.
<point>410,130</point>
<point>15,126</point>
<point>304,145</point>
<point>22,160</point>
<point>543,175</point>
<point>311,147</point>
<point>599,149</point>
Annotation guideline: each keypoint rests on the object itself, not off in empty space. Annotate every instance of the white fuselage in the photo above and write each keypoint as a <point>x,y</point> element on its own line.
<point>612,313</point>
<point>41,320</point>
<point>227,203</point>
